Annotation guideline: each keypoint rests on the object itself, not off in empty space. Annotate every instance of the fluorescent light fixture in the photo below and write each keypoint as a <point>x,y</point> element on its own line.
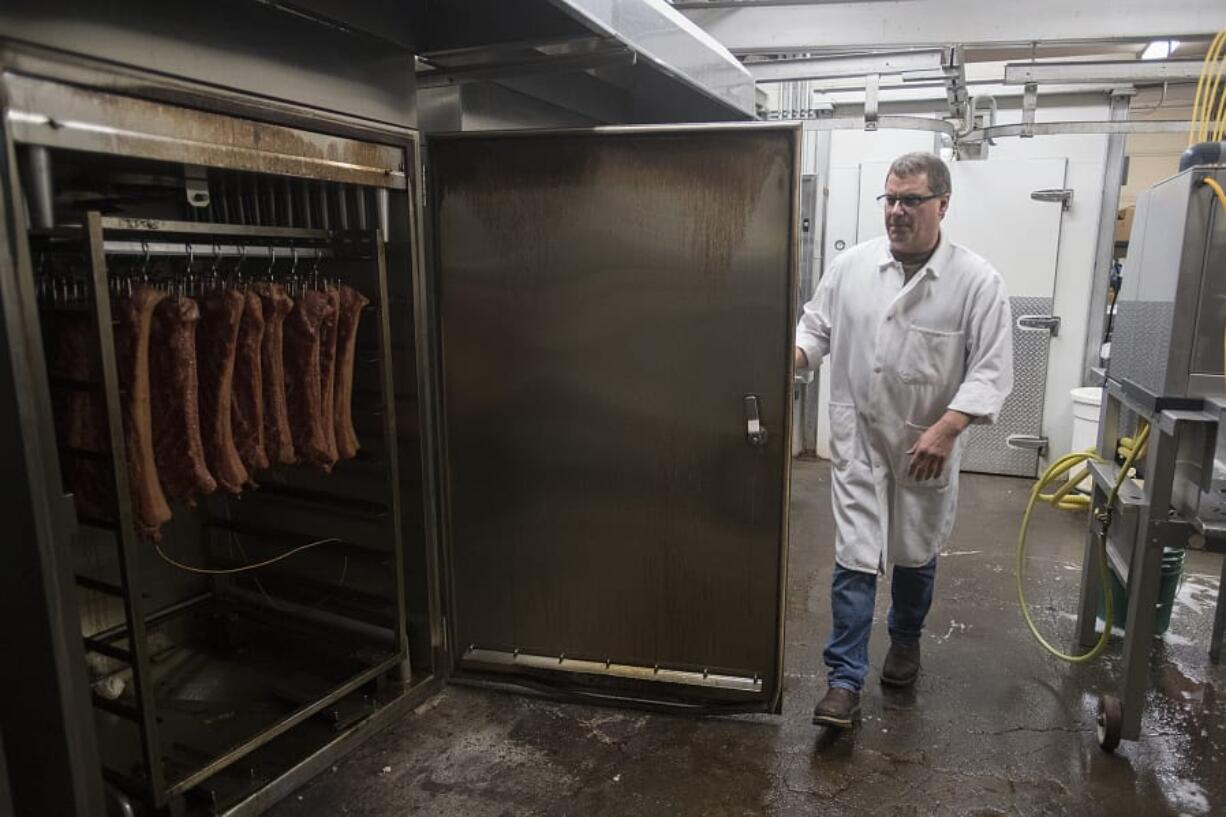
<point>1159,49</point>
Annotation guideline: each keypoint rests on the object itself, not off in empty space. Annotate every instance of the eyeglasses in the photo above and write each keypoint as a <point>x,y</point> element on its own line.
<point>908,202</point>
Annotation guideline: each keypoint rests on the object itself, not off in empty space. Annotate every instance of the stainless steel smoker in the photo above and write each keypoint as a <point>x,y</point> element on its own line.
<point>571,391</point>
<point>1166,370</point>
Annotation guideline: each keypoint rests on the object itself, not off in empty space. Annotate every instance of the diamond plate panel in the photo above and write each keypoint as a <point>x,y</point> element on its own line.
<point>1022,413</point>
<point>1141,343</point>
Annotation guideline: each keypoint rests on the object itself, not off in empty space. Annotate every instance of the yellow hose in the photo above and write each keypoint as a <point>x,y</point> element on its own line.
<point>1215,187</point>
<point>1136,448</point>
<point>1060,498</point>
<point>1211,89</point>
<point>1204,95</point>
<point>1220,129</point>
<point>1211,83</point>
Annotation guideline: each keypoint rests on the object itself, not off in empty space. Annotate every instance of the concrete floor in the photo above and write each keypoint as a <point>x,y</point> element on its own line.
<point>994,727</point>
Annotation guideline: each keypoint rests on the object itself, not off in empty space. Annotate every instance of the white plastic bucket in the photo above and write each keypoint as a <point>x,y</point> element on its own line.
<point>1086,401</point>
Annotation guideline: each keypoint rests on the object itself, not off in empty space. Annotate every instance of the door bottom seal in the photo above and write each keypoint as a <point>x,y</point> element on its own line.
<point>476,657</point>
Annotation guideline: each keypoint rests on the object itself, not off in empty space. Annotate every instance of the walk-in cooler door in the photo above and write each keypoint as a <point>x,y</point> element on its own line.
<point>615,313</point>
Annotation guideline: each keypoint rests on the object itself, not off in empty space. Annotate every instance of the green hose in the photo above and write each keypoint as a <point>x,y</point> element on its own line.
<point>1059,468</point>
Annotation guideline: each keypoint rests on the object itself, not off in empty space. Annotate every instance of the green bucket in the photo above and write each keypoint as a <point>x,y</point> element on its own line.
<point>1172,572</point>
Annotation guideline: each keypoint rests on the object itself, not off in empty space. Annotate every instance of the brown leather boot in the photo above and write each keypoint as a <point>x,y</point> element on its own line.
<point>902,664</point>
<point>839,708</point>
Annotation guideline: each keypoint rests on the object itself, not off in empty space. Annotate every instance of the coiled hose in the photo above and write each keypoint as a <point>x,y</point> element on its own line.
<point>1131,449</point>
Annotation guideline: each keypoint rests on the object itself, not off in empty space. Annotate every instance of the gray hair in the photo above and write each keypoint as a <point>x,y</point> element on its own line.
<point>913,164</point>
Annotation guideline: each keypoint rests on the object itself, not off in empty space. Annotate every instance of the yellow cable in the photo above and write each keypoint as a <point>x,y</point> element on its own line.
<point>1211,92</point>
<point>1056,470</point>
<point>227,571</point>
<point>1213,80</point>
<point>1219,129</point>
<point>1201,103</point>
<point>1211,119</point>
<point>1060,498</point>
<point>1216,188</point>
<point>1210,58</point>
<point>1211,83</point>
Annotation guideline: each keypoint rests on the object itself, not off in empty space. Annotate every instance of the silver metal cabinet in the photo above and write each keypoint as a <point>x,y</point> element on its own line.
<point>616,305</point>
<point>1168,340</point>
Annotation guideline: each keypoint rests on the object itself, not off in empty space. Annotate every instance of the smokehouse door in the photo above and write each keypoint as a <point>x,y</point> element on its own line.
<point>615,313</point>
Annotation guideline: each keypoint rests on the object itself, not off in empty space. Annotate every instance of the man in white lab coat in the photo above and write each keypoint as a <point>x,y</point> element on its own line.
<point>919,335</point>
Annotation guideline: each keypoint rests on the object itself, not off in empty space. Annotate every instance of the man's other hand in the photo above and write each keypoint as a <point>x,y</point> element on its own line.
<point>931,451</point>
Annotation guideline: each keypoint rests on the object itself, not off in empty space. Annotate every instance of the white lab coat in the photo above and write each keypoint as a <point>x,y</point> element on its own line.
<point>901,355</point>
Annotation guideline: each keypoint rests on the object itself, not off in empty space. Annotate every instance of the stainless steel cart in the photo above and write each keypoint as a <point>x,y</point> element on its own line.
<point>1165,370</point>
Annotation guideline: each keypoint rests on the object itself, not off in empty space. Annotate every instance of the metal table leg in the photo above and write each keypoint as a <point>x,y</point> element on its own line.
<point>1091,572</point>
<point>1144,576</point>
<point>1091,580</point>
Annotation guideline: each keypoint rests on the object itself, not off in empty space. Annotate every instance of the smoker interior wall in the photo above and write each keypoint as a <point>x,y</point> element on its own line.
<point>44,708</point>
<point>250,47</point>
<point>6,801</point>
<point>40,700</point>
<point>416,528</point>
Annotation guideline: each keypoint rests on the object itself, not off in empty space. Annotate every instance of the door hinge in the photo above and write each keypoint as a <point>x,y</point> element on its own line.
<point>1027,442</point>
<point>1064,195</point>
<point>1039,323</point>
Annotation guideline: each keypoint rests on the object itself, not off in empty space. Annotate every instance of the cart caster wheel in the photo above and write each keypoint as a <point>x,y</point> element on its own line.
<point>1110,722</point>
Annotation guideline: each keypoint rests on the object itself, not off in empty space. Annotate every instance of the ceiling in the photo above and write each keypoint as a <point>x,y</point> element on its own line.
<point>756,30</point>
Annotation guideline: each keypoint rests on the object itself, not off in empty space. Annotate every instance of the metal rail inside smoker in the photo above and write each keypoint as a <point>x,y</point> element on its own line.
<point>181,249</point>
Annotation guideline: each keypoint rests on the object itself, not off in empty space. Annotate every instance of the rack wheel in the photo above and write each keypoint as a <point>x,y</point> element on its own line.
<point>1110,722</point>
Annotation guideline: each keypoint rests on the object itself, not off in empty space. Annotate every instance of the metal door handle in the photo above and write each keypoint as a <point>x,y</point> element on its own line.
<point>1039,323</point>
<point>1027,442</point>
<point>1063,195</point>
<point>755,432</point>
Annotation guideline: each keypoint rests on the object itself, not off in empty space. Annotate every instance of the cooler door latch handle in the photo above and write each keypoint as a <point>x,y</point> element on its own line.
<point>755,432</point>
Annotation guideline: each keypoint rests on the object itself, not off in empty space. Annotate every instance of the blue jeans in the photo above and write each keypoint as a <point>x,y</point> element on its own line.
<point>851,600</point>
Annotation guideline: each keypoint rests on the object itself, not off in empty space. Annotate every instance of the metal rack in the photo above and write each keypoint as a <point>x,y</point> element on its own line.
<point>128,643</point>
<point>1145,521</point>
<point>1165,370</point>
